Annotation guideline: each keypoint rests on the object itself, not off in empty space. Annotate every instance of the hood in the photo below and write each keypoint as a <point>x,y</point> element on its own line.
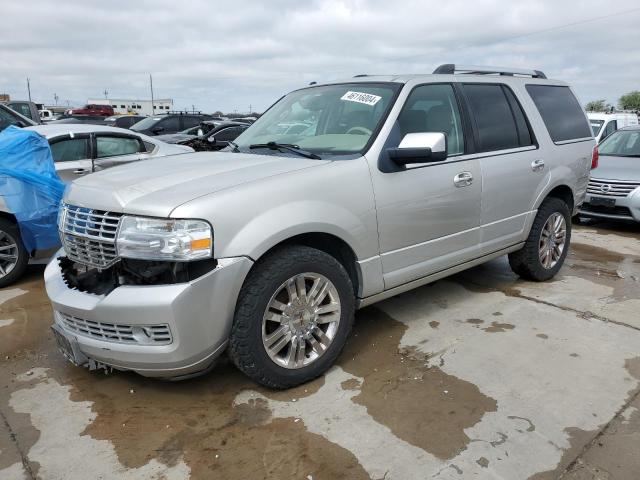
<point>156,187</point>
<point>617,168</point>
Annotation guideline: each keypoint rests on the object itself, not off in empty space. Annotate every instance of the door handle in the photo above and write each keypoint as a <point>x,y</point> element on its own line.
<point>463,179</point>
<point>537,165</point>
<point>81,171</point>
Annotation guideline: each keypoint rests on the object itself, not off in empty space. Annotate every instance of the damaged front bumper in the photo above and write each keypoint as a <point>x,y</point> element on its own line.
<point>171,331</point>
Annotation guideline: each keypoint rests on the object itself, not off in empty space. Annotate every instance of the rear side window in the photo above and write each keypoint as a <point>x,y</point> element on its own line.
<point>114,146</point>
<point>560,111</point>
<point>500,122</point>
<point>70,150</point>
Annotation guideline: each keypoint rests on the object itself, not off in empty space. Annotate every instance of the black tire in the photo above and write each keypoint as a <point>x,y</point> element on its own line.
<point>11,230</point>
<point>246,348</point>
<point>526,261</point>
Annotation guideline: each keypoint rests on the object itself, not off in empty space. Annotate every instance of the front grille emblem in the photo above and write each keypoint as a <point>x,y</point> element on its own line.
<point>606,188</point>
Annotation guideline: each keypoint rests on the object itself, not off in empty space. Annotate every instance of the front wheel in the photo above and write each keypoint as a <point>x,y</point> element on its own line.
<point>13,256</point>
<point>293,316</point>
<point>547,246</point>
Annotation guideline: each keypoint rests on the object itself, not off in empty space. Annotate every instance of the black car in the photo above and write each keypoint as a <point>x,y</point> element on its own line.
<point>123,121</point>
<point>89,119</point>
<point>215,138</point>
<point>169,123</point>
<point>11,117</point>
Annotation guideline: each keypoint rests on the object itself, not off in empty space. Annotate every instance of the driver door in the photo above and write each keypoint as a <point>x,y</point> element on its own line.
<point>428,214</point>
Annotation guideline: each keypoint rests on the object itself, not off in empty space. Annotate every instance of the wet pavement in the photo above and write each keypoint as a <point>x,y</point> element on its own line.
<point>481,375</point>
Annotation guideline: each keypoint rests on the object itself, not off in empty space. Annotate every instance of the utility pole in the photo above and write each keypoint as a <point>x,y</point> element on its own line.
<point>153,110</point>
<point>29,88</point>
<point>106,93</point>
<point>250,109</point>
<point>193,108</point>
<point>55,97</point>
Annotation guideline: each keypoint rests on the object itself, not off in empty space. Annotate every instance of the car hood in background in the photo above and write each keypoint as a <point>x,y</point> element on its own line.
<point>618,168</point>
<point>156,187</point>
<point>175,137</point>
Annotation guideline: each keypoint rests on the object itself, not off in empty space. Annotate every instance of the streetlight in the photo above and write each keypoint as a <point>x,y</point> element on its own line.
<point>55,97</point>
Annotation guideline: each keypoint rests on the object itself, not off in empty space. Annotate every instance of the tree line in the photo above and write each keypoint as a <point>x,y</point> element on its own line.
<point>628,101</point>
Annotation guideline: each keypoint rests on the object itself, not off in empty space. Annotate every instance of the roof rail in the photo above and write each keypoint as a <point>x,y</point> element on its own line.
<point>184,112</point>
<point>450,69</point>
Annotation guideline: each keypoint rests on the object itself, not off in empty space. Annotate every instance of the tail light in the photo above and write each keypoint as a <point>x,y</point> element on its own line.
<point>594,158</point>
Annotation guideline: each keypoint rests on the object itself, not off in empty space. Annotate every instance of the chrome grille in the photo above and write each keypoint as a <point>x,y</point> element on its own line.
<point>89,236</point>
<point>611,188</point>
<point>109,332</point>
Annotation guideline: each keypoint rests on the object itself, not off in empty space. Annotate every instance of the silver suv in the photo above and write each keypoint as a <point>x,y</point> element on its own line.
<point>266,249</point>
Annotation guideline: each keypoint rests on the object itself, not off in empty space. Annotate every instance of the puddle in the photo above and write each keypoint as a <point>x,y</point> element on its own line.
<point>431,409</point>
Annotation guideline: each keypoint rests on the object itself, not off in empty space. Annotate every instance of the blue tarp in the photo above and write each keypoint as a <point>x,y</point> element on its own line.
<point>30,187</point>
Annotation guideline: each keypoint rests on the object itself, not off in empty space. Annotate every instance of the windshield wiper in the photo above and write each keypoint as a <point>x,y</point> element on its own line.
<point>234,146</point>
<point>286,146</point>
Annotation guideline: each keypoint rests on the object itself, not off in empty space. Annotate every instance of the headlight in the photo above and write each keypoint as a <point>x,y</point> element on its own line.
<point>164,239</point>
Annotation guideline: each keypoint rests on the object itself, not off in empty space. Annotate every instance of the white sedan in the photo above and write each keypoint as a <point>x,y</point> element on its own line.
<point>79,149</point>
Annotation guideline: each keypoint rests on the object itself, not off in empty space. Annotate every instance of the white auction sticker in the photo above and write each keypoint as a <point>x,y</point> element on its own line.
<point>359,97</point>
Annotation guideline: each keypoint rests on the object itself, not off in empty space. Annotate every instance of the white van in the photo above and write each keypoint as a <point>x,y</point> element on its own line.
<point>604,124</point>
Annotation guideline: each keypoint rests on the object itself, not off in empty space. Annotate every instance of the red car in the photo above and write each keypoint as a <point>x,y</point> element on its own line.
<point>92,109</point>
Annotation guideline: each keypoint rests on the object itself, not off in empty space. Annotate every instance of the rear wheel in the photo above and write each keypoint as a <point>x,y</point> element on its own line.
<point>292,318</point>
<point>13,256</point>
<point>546,247</point>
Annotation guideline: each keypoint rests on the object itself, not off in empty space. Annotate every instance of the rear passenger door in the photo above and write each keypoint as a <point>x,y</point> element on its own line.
<point>512,167</point>
<point>116,149</point>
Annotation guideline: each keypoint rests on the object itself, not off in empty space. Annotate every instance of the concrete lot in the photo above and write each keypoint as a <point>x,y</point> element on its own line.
<point>478,376</point>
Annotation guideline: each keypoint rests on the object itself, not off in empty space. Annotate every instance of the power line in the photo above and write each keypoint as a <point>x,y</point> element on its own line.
<point>535,32</point>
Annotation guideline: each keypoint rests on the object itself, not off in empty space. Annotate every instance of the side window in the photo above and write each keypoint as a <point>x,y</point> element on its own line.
<point>524,133</point>
<point>495,123</point>
<point>70,150</point>
<point>611,127</point>
<point>228,134</point>
<point>560,111</point>
<point>107,146</point>
<point>188,122</point>
<point>170,124</point>
<point>433,108</point>
<point>6,119</point>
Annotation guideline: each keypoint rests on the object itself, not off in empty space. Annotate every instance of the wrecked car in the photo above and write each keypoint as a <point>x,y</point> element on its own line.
<point>265,249</point>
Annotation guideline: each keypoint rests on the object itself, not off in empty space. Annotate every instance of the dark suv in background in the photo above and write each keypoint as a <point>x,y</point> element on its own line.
<point>169,123</point>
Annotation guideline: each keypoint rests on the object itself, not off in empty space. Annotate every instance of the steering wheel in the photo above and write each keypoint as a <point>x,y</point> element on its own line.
<point>359,131</point>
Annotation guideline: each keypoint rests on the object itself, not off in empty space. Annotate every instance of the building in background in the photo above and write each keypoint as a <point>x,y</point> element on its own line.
<point>138,107</point>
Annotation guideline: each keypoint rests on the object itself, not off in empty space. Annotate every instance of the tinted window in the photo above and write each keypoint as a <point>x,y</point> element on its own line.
<point>113,146</point>
<point>524,133</point>
<point>611,127</point>
<point>21,108</point>
<point>433,108</point>
<point>6,119</point>
<point>228,134</point>
<point>170,124</point>
<point>560,112</point>
<point>494,120</point>
<point>188,122</point>
<point>70,150</point>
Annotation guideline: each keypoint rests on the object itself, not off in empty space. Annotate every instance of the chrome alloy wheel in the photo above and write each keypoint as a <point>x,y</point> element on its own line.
<point>552,240</point>
<point>8,253</point>
<point>301,320</point>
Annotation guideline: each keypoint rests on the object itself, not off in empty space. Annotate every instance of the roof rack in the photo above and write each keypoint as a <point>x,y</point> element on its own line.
<point>450,69</point>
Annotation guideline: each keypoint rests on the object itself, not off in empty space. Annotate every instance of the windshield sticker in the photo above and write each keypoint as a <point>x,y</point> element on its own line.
<point>358,97</point>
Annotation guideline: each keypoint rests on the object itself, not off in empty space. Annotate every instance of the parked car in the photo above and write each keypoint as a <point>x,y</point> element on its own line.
<point>267,248</point>
<point>604,124</point>
<point>77,150</point>
<point>215,138</point>
<point>169,123</point>
<point>77,119</point>
<point>9,116</point>
<point>93,109</point>
<point>123,121</point>
<point>26,109</point>
<point>45,115</point>
<point>614,191</point>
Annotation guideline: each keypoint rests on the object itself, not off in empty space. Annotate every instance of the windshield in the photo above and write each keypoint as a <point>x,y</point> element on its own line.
<point>596,125</point>
<point>623,143</point>
<point>145,124</point>
<point>331,119</point>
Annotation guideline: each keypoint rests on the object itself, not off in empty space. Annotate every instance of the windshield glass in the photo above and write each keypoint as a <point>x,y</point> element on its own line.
<point>331,119</point>
<point>596,125</point>
<point>145,124</point>
<point>623,143</point>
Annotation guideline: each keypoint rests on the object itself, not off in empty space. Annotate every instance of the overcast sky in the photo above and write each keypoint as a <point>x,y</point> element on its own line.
<point>228,55</point>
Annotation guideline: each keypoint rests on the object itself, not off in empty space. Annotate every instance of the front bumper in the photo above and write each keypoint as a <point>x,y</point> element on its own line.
<point>625,208</point>
<point>199,314</point>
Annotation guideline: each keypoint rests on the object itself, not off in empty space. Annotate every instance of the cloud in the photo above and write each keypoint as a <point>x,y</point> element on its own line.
<point>228,54</point>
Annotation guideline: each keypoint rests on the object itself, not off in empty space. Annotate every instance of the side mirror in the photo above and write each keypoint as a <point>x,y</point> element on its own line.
<point>211,139</point>
<point>157,130</point>
<point>420,148</point>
